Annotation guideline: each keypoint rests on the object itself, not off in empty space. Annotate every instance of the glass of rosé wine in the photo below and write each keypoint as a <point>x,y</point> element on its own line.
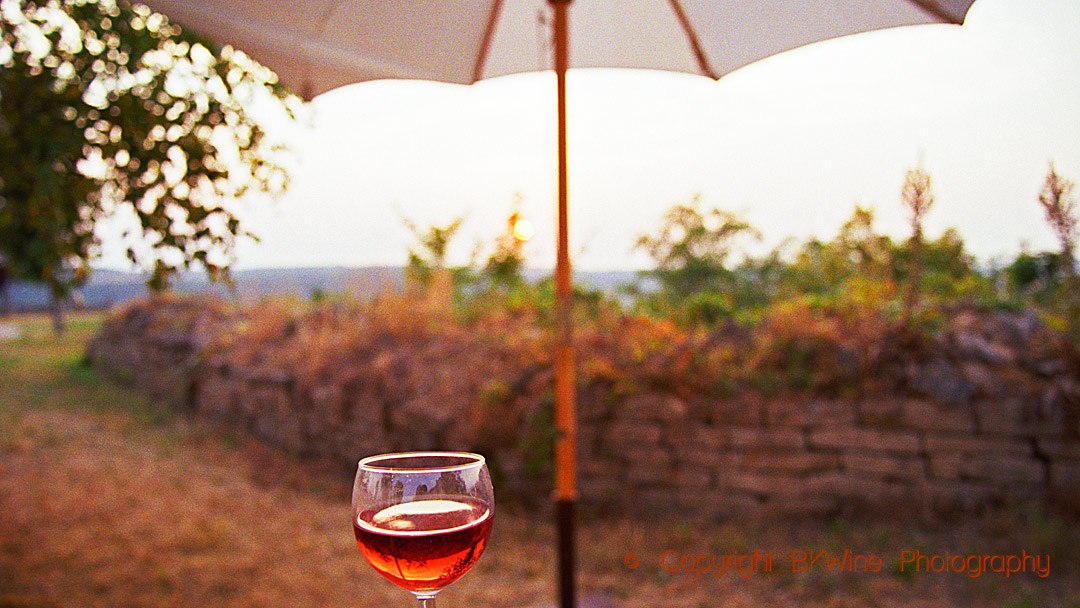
<point>422,519</point>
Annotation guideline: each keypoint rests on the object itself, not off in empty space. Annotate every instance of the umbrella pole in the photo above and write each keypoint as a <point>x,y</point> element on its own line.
<point>565,384</point>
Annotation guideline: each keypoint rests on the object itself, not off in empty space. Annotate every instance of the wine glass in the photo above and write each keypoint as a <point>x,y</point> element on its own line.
<point>422,519</point>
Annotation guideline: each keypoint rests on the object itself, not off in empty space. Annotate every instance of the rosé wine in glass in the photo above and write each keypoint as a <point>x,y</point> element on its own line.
<point>422,519</point>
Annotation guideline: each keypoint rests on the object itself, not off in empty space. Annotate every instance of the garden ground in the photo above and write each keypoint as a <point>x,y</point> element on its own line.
<point>108,499</point>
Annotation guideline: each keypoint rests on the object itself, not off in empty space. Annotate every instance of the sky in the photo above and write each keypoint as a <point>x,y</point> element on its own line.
<point>793,143</point>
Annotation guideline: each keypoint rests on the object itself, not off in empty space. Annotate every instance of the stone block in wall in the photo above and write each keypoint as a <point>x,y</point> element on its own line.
<point>1067,495</point>
<point>919,414</point>
<point>604,491</point>
<point>944,465</point>
<point>649,455</point>
<point>365,409</point>
<point>691,477</point>
<point>350,441</point>
<point>974,346</point>
<point>253,399</point>
<point>599,467</point>
<point>328,400</point>
<point>901,468</point>
<point>1065,475</point>
<point>986,380</point>
<point>714,504</point>
<point>939,380</point>
<point>1002,417</point>
<point>806,414</point>
<point>881,412</point>
<point>274,418</point>
<point>326,403</point>
<point>652,406</point>
<point>803,505</point>
<point>760,484</point>
<point>649,465</point>
<point>1068,385</point>
<point>594,405</point>
<point>1054,448</point>
<point>164,375</point>
<point>961,496</point>
<point>747,411</point>
<point>218,397</point>
<point>426,417</point>
<point>588,436</point>
<point>1046,366</point>
<point>1019,416</point>
<point>677,432</point>
<point>174,340</point>
<point>625,435</point>
<point>699,408</point>
<point>756,438</point>
<point>272,375</point>
<point>857,489</point>
<point>856,438</point>
<point>938,443</point>
<point>1003,468</point>
<point>789,463</point>
<point>654,501</point>
<point>701,455</point>
<point>711,437</point>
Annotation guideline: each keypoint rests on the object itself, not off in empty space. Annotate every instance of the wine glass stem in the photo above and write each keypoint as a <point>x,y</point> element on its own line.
<point>426,602</point>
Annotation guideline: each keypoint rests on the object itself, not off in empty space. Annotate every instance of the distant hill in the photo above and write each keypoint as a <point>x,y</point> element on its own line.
<point>106,288</point>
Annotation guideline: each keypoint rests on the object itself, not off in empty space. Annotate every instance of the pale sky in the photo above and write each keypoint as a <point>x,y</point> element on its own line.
<point>793,142</point>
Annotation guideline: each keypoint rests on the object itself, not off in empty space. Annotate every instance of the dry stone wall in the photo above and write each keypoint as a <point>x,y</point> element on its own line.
<point>823,456</point>
<point>980,428</point>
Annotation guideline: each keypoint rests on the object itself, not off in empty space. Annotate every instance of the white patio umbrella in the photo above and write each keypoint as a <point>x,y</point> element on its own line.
<point>317,45</point>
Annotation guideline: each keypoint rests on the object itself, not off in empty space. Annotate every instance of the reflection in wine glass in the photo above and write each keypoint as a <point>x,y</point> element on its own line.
<point>422,519</point>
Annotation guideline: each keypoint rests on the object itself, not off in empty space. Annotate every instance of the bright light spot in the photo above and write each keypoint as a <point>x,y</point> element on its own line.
<point>523,230</point>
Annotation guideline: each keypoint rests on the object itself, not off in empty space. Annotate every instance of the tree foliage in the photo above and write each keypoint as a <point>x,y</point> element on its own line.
<point>506,262</point>
<point>693,248</point>
<point>917,196</point>
<point>1059,207</point>
<point>110,109</point>
<point>699,283</point>
<point>430,258</point>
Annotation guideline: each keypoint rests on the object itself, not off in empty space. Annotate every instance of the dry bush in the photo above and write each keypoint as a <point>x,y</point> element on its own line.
<point>800,345</point>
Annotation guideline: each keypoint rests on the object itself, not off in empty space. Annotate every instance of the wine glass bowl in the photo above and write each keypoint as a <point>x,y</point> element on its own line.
<point>422,519</point>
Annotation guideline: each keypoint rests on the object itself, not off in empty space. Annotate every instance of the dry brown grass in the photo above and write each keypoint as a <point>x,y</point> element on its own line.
<point>100,508</point>
<point>104,502</point>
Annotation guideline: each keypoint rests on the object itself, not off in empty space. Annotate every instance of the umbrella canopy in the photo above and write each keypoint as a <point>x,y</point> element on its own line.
<point>319,45</point>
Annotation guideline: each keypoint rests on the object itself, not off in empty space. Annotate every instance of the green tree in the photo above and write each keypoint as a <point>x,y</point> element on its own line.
<point>1035,274</point>
<point>869,251</point>
<point>693,248</point>
<point>506,262</point>
<point>1046,275</point>
<point>1060,209</point>
<point>427,269</point>
<point>430,259</point>
<point>107,108</point>
<point>825,268</point>
<point>1059,205</point>
<point>917,197</point>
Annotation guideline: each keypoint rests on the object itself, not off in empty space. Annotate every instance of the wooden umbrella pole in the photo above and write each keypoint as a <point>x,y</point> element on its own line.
<point>565,384</point>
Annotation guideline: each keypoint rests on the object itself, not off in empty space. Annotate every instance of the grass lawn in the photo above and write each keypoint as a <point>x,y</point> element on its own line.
<point>109,499</point>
